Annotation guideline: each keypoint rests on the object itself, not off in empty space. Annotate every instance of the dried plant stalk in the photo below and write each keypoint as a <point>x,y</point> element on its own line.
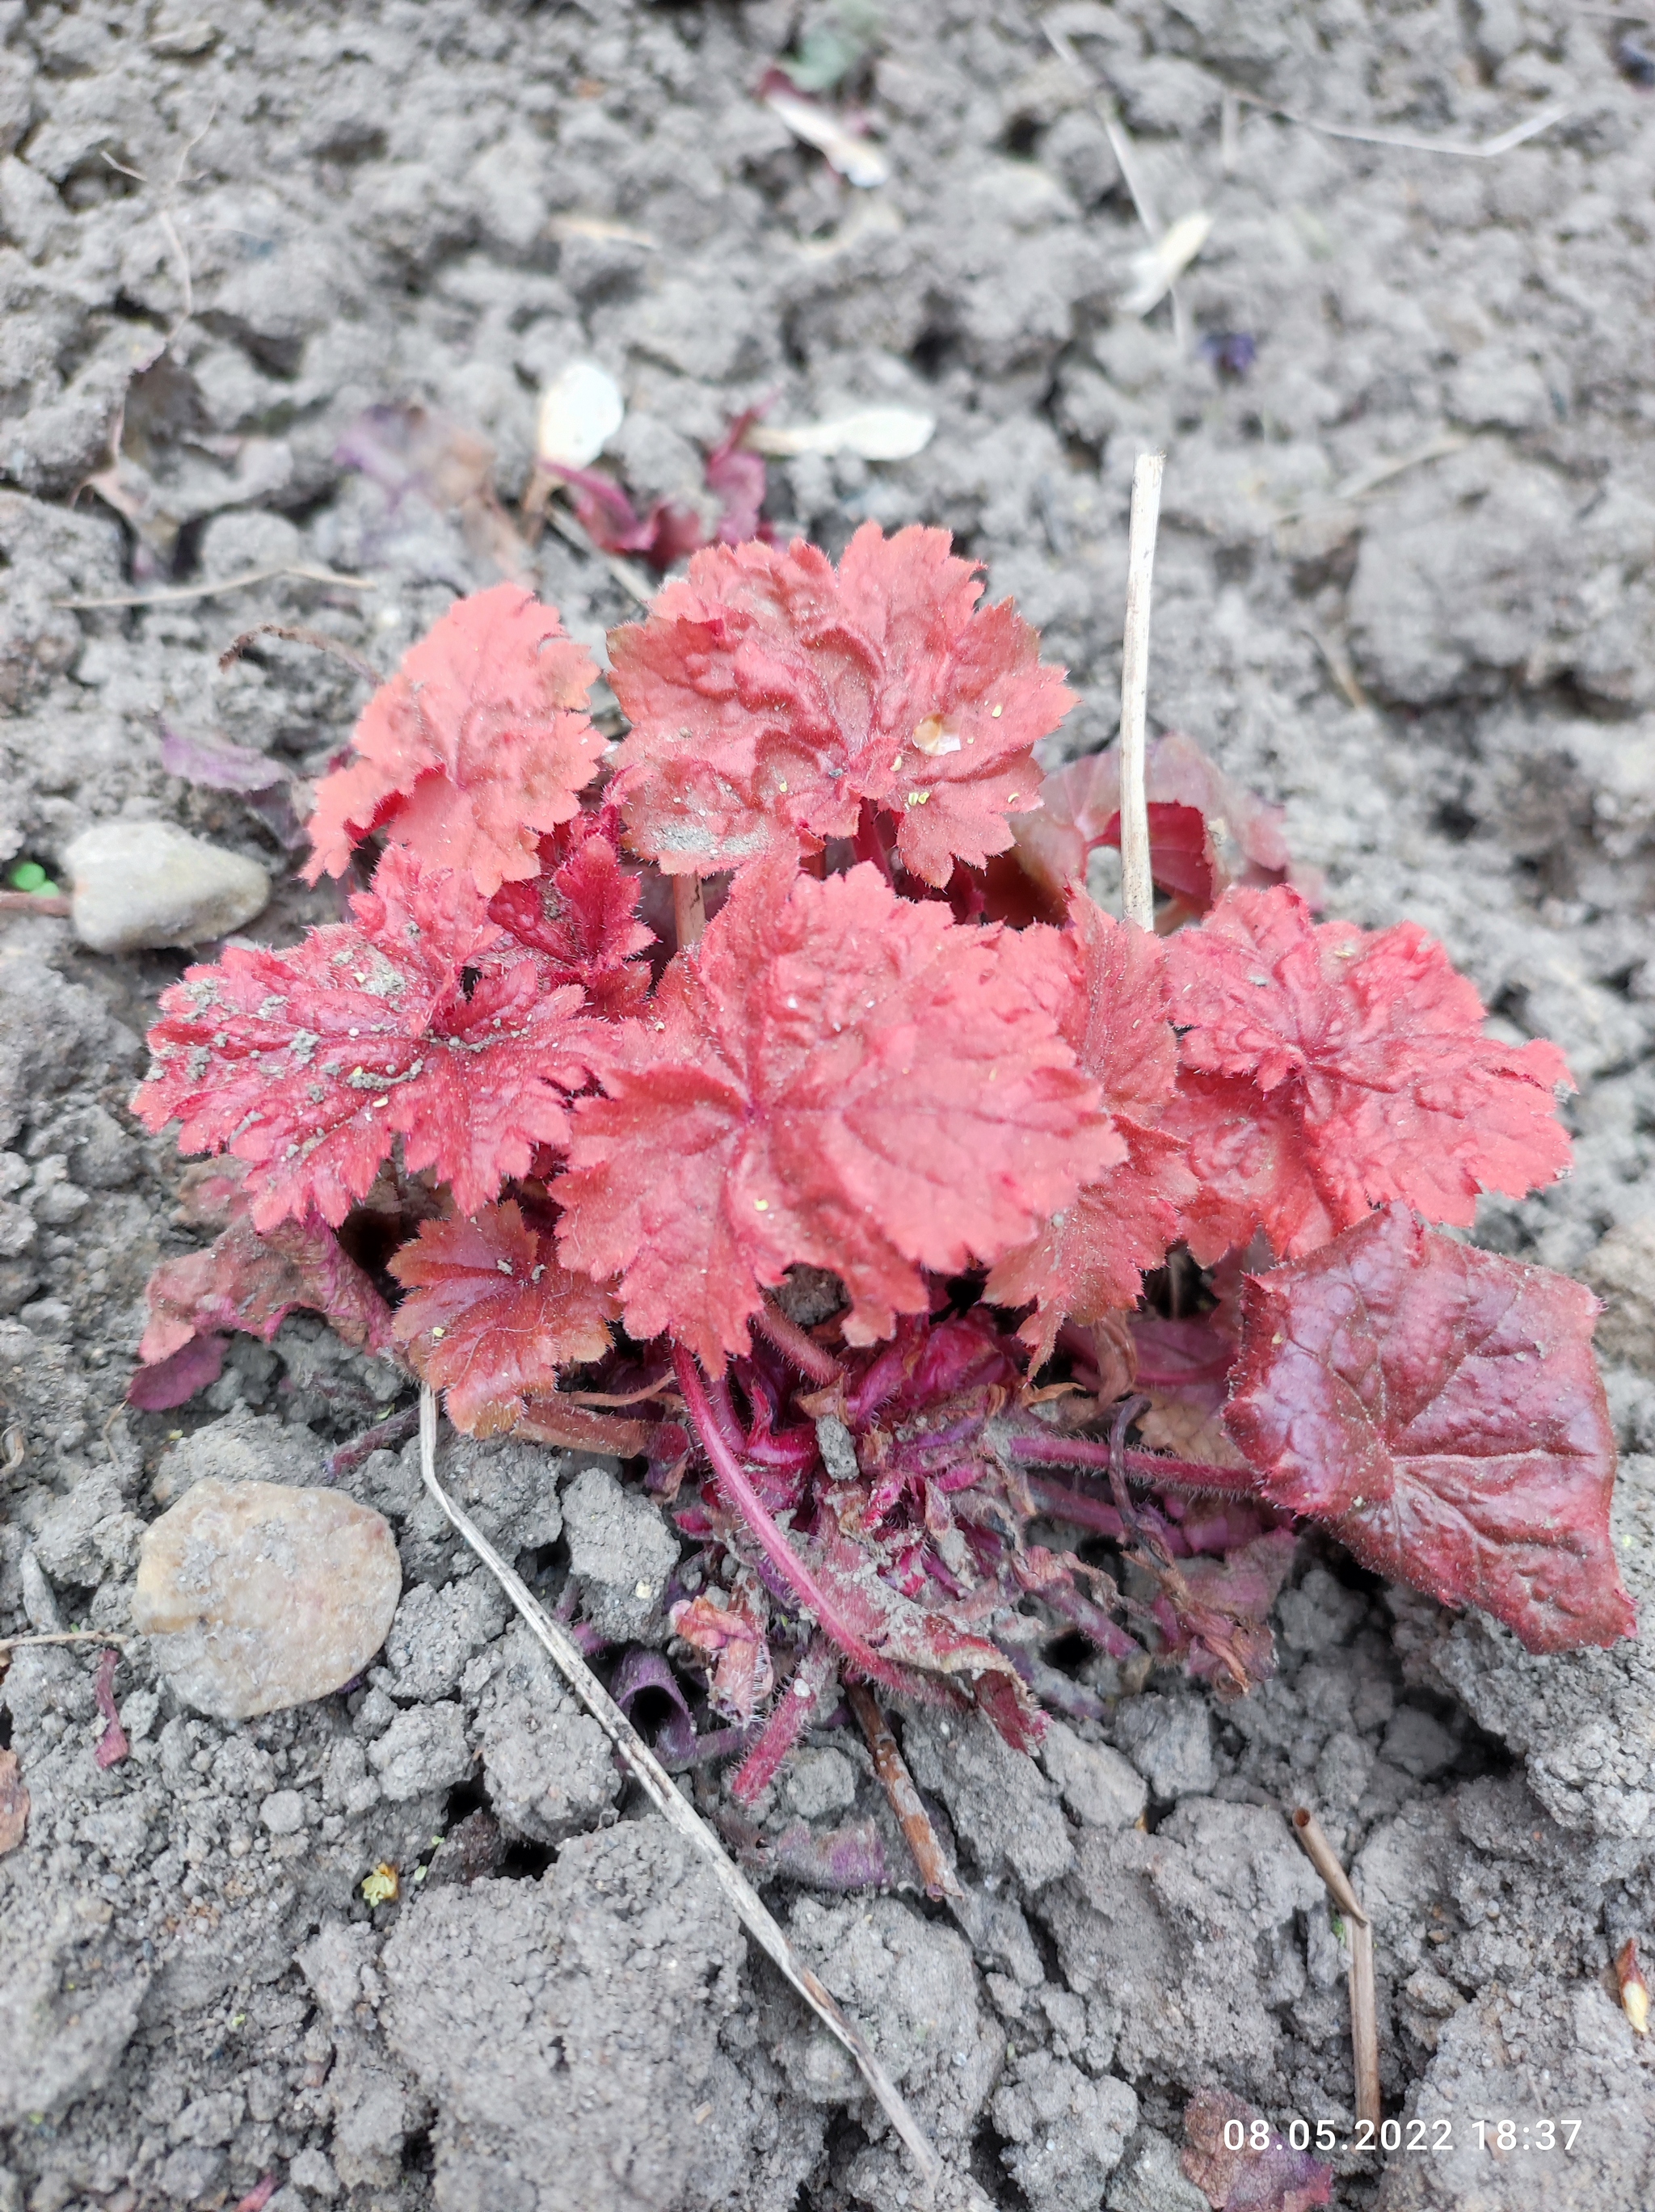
<point>1138,891</point>
<point>689,911</point>
<point>658,1786</point>
<point>898,1785</point>
<point>1634,1990</point>
<point>1364,2009</point>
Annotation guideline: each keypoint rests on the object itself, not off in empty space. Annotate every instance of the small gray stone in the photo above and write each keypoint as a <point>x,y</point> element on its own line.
<point>140,883</point>
<point>1096,1784</point>
<point>1170,1742</point>
<point>549,1774</point>
<point>260,1597</point>
<point>424,1748</point>
<point>436,1632</point>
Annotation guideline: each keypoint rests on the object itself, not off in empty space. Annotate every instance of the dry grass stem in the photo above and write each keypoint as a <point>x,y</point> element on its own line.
<point>1138,891</point>
<point>296,633</point>
<point>688,910</point>
<point>898,1785</point>
<point>65,1636</point>
<point>658,1785</point>
<point>1411,142</point>
<point>1126,160</point>
<point>1364,2008</point>
<point>172,595</point>
<point>631,578</point>
<point>33,902</point>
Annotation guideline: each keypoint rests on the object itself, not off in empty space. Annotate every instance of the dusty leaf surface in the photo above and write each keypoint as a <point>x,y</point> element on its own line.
<point>771,694</point>
<point>479,743</point>
<point>491,1317</point>
<point>835,1078</point>
<point>416,1019</point>
<point>1438,1408</point>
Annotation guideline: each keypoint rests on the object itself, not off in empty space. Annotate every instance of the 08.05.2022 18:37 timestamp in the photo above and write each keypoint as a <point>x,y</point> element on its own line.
<point>1501,2137</point>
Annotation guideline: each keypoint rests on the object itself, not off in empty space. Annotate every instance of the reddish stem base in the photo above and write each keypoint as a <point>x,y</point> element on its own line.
<point>1173,1474</point>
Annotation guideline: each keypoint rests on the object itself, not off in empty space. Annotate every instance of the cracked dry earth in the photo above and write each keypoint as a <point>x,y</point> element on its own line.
<point>1406,585</point>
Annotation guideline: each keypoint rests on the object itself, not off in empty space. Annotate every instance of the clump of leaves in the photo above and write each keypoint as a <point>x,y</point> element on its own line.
<point>857,1221</point>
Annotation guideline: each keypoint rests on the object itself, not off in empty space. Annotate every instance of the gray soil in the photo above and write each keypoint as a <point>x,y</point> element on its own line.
<point>1447,673</point>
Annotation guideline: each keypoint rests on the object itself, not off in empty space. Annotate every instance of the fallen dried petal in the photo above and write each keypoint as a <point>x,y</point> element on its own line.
<point>113,1746</point>
<point>13,1804</point>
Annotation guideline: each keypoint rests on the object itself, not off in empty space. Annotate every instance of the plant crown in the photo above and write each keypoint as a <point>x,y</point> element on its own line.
<point>915,1209</point>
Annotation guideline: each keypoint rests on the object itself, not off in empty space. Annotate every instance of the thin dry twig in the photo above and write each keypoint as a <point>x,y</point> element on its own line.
<point>1339,667</point>
<point>1364,2008</point>
<point>33,902</point>
<point>631,579</point>
<point>296,633</point>
<point>64,1635</point>
<point>658,1786</point>
<point>166,195</point>
<point>938,1876</point>
<point>1411,142</point>
<point>1126,159</point>
<point>167,595</point>
<point>1137,891</point>
<point>1364,480</point>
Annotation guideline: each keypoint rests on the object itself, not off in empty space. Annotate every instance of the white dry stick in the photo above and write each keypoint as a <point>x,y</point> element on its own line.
<point>1138,898</point>
<point>658,1787</point>
<point>1364,2009</point>
<point>1489,150</point>
<point>171,595</point>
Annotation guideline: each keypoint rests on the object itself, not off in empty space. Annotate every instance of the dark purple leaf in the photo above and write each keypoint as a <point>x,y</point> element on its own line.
<point>217,767</point>
<point>640,1670</point>
<point>843,1859</point>
<point>172,1381</point>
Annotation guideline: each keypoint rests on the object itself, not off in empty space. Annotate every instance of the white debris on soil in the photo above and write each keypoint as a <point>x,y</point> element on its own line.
<point>141,883</point>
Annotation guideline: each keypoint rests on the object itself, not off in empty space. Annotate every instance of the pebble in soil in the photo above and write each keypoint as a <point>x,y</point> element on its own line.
<point>259,1596</point>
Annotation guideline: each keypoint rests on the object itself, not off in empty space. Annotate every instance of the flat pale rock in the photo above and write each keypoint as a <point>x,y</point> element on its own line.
<point>260,1596</point>
<point>139,884</point>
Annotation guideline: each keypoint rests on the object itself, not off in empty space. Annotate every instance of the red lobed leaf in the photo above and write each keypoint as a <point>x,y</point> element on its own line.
<point>478,743</point>
<point>581,915</point>
<point>1438,1408</point>
<point>1332,1069</point>
<point>247,1282</point>
<point>1205,832</point>
<point>833,1076</point>
<point>491,1317</point>
<point>1090,1261</point>
<point>308,1064</point>
<point>771,696</point>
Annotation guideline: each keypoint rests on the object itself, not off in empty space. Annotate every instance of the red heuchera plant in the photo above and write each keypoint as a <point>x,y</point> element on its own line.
<point>856,1221</point>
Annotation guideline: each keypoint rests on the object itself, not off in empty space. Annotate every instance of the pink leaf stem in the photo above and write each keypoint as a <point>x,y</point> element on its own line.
<point>799,1578</point>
